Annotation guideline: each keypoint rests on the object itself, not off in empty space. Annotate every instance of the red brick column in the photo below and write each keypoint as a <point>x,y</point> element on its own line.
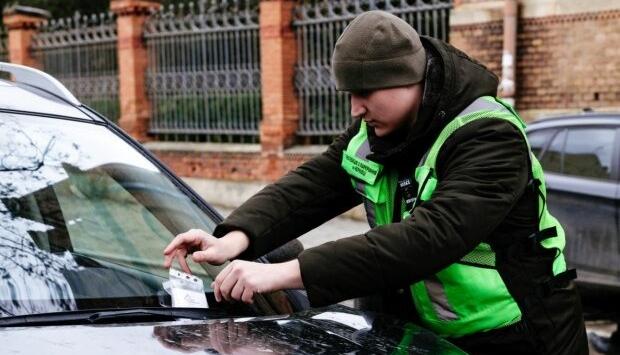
<point>21,23</point>
<point>278,51</point>
<point>132,64</point>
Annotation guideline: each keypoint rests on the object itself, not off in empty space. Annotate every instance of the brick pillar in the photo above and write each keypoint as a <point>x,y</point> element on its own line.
<point>132,64</point>
<point>21,23</point>
<point>278,51</point>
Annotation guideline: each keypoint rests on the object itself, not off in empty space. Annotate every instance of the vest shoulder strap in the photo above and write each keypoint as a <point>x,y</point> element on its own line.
<point>483,107</point>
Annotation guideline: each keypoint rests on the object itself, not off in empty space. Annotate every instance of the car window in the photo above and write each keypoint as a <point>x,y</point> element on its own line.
<point>539,139</point>
<point>588,152</point>
<point>551,160</point>
<point>84,218</point>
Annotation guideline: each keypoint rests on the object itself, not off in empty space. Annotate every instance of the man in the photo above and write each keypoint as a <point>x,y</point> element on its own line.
<point>455,201</point>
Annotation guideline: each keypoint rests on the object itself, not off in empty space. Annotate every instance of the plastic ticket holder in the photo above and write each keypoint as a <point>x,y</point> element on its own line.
<point>185,290</point>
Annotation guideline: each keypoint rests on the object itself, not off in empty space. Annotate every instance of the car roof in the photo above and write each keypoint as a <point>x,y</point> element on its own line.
<point>580,119</point>
<point>33,91</point>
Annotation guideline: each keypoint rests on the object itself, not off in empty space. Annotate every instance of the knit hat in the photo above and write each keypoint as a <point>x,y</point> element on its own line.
<point>377,50</point>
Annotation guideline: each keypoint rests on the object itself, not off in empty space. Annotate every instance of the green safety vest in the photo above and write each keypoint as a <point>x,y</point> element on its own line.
<point>468,296</point>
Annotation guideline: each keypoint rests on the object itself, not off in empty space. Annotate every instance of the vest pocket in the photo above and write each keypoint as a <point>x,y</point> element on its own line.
<point>462,299</point>
<point>376,200</point>
<point>376,193</point>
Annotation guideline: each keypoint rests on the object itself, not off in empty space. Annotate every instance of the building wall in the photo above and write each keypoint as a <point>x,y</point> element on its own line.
<point>483,41</point>
<point>236,162</point>
<point>569,61</point>
<point>567,57</point>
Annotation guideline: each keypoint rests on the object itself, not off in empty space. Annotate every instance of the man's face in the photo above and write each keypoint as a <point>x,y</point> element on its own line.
<point>387,109</point>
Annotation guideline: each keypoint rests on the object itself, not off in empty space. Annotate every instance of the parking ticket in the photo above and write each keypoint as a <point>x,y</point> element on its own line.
<point>185,290</point>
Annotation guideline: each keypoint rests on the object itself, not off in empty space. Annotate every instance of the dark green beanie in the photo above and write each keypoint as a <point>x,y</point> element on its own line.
<point>377,50</point>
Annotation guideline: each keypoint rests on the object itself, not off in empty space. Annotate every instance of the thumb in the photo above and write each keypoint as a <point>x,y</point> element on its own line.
<point>211,256</point>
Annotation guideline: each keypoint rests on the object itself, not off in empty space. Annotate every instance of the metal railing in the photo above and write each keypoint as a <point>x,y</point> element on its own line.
<point>203,78</point>
<point>318,24</point>
<point>4,50</point>
<point>81,52</point>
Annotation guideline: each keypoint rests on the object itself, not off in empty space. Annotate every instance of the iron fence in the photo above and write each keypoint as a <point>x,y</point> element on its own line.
<point>203,76</point>
<point>324,112</point>
<point>81,52</point>
<point>4,51</point>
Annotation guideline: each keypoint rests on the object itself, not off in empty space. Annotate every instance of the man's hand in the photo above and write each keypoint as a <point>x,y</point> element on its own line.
<point>241,280</point>
<point>204,248</point>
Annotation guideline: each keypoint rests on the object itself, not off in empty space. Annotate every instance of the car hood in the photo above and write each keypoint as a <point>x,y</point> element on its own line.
<point>335,329</point>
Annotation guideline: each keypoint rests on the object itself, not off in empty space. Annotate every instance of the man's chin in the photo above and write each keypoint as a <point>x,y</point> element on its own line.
<point>381,132</point>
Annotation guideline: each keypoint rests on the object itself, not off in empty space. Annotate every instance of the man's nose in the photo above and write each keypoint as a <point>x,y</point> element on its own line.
<point>357,106</point>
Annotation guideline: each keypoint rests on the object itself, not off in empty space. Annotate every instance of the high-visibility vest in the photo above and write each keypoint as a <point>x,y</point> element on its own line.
<point>469,295</point>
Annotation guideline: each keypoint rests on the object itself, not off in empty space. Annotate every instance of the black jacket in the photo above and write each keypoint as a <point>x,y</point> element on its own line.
<point>483,195</point>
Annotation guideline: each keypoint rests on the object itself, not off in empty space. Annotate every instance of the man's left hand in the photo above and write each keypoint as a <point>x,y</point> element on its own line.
<point>241,280</point>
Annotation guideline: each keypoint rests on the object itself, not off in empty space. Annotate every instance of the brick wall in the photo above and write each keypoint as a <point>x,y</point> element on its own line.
<point>481,41</point>
<point>569,61</point>
<point>564,62</point>
<point>235,166</point>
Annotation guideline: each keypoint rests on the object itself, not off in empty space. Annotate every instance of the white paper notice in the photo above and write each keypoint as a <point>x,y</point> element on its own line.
<point>186,290</point>
<point>188,298</point>
<point>351,320</point>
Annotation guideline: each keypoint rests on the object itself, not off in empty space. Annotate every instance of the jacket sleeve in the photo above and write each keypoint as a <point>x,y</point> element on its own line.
<point>484,169</point>
<point>306,197</point>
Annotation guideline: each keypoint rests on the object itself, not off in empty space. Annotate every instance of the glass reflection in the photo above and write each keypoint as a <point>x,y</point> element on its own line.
<point>83,218</point>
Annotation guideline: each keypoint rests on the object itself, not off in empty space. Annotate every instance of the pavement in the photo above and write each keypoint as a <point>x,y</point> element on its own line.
<point>334,229</point>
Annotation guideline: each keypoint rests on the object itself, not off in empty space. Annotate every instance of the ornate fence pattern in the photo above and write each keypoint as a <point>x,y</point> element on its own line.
<point>4,50</point>
<point>81,53</point>
<point>203,78</point>
<point>318,23</point>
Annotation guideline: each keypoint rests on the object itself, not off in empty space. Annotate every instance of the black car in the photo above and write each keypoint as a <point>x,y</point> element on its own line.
<point>580,156</point>
<point>85,214</point>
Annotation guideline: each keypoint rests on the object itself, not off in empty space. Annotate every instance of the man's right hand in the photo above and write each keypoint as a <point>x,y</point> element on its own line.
<point>205,248</point>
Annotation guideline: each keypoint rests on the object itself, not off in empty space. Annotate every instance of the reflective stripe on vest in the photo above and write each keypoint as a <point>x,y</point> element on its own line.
<point>468,296</point>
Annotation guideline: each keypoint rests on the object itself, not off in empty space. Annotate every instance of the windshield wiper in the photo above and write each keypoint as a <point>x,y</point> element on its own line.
<point>133,315</point>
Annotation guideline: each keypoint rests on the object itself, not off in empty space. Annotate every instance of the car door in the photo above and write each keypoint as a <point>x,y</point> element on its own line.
<point>581,173</point>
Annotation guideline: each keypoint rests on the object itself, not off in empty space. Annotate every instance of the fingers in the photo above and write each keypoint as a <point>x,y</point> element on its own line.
<point>208,256</point>
<point>168,260</point>
<point>247,296</point>
<point>179,247</point>
<point>237,290</point>
<point>228,284</point>
<point>240,291</point>
<point>237,282</point>
<point>193,237</point>
<point>181,256</point>
<point>218,282</point>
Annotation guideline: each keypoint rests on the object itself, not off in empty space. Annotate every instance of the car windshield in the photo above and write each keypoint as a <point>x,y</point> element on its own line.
<point>84,218</point>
